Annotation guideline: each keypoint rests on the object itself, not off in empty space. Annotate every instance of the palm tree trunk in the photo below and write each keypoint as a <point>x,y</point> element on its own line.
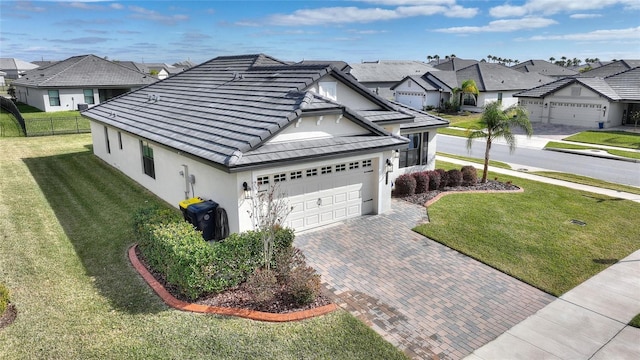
<point>486,161</point>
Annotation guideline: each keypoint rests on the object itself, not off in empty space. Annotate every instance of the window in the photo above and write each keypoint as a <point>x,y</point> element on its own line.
<point>366,163</point>
<point>312,172</point>
<point>575,91</point>
<point>120,140</point>
<point>263,180</point>
<point>147,159</point>
<point>88,96</point>
<point>279,178</point>
<point>354,165</point>
<point>341,167</point>
<point>417,152</point>
<point>325,170</point>
<point>499,98</point>
<point>468,99</point>
<point>106,140</point>
<point>328,89</point>
<point>54,98</point>
<point>295,175</point>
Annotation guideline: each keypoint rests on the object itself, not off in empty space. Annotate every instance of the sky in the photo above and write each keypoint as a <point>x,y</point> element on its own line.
<point>351,31</point>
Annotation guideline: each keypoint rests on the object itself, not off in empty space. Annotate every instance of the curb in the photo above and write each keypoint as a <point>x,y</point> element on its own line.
<point>243,313</point>
<point>439,196</point>
<point>585,153</point>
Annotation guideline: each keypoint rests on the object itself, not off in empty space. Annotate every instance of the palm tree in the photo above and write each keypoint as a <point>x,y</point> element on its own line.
<point>552,59</point>
<point>489,58</point>
<point>497,123</point>
<point>468,87</point>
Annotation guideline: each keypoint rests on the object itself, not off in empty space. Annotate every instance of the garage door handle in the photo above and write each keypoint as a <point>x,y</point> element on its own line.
<point>319,202</point>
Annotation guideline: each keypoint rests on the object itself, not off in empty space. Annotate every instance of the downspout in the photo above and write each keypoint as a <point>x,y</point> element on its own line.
<point>185,175</point>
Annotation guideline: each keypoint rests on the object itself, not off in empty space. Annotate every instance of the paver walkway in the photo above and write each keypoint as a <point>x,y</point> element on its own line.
<point>428,300</point>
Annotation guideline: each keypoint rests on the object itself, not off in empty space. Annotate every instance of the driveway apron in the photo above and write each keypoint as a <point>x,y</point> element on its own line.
<point>428,300</point>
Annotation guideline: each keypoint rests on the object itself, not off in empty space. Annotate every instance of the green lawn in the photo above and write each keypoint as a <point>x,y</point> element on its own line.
<point>529,235</point>
<point>65,227</point>
<point>635,322</point>
<point>468,121</point>
<point>476,160</point>
<point>622,153</point>
<point>623,139</point>
<point>585,180</point>
<point>42,123</point>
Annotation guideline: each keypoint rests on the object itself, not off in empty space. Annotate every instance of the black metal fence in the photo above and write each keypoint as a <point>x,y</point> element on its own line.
<point>57,125</point>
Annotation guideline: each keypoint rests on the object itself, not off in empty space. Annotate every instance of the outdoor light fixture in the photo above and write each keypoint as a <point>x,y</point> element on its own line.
<point>389,168</point>
<point>545,105</point>
<point>396,154</point>
<point>247,190</point>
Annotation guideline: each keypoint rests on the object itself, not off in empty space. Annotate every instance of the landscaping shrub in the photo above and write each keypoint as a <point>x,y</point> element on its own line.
<point>4,298</point>
<point>304,285</point>
<point>443,178</point>
<point>454,178</point>
<point>422,182</point>
<point>469,175</point>
<point>287,259</point>
<point>263,285</point>
<point>434,180</point>
<point>405,185</point>
<point>174,248</point>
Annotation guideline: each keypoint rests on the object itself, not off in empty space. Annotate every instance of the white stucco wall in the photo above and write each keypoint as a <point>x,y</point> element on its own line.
<point>345,95</point>
<point>431,158</point>
<point>39,98</point>
<point>318,127</point>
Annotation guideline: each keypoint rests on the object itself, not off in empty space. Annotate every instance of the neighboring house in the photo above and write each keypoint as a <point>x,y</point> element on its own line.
<point>611,68</point>
<point>76,83</point>
<point>226,128</point>
<point>44,63</point>
<point>2,76</point>
<point>544,68</point>
<point>495,82</point>
<point>157,70</point>
<point>15,68</point>
<point>585,101</point>
<point>379,76</point>
<point>454,64</point>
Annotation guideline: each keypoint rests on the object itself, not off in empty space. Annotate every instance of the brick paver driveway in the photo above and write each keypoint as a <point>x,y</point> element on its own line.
<point>428,300</point>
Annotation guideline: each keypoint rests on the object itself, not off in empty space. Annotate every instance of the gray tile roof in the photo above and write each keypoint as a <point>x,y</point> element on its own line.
<point>84,71</point>
<point>626,84</point>
<point>421,81</point>
<point>612,68</point>
<point>544,67</point>
<point>16,64</point>
<point>388,70</point>
<point>454,64</point>
<point>497,77</point>
<point>225,110</point>
<point>449,78</point>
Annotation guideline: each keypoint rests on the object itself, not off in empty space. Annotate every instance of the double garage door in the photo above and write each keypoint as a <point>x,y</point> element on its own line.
<point>574,114</point>
<point>326,194</point>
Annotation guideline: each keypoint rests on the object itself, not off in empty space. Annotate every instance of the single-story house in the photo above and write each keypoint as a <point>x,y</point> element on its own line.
<point>544,68</point>
<point>158,70</point>
<point>227,128</point>
<point>76,83</point>
<point>585,101</point>
<point>611,68</point>
<point>453,64</point>
<point>15,68</point>
<point>2,76</point>
<point>379,76</point>
<point>495,82</point>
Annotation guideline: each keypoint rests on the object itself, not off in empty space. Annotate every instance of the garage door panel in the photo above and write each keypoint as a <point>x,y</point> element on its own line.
<point>340,198</point>
<point>326,216</point>
<point>340,213</point>
<point>353,210</point>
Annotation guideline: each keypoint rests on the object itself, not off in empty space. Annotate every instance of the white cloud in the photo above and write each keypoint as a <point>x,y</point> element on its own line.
<point>550,7</point>
<point>597,35</point>
<point>585,16</point>
<point>410,2</point>
<point>502,26</point>
<point>117,6</point>
<point>146,14</point>
<point>352,14</point>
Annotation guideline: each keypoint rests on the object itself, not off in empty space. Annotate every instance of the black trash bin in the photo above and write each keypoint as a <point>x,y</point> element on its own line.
<point>202,216</point>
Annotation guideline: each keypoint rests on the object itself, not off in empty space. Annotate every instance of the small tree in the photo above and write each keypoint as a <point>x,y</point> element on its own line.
<point>635,116</point>
<point>268,212</point>
<point>497,123</point>
<point>468,87</point>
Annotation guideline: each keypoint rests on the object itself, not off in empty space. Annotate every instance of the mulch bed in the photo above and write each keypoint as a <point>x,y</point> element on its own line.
<point>490,185</point>
<point>239,297</point>
<point>9,316</point>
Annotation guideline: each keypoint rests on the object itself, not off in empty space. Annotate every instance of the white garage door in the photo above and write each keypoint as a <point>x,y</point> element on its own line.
<point>327,194</point>
<point>415,100</point>
<point>534,107</point>
<point>574,113</point>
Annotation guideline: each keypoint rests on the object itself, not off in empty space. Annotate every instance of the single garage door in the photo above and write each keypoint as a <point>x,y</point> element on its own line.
<point>534,107</point>
<point>326,194</point>
<point>575,114</point>
<point>415,100</point>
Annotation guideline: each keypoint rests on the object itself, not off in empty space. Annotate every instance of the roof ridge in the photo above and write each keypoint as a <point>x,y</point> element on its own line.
<point>66,68</point>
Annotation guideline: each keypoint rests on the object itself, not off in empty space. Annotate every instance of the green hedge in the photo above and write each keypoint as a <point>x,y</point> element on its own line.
<point>174,248</point>
<point>4,298</point>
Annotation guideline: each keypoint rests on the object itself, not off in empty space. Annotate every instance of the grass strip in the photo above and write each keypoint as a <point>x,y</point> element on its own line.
<point>585,180</point>
<point>621,153</point>
<point>476,160</point>
<point>531,235</point>
<point>623,139</point>
<point>635,322</point>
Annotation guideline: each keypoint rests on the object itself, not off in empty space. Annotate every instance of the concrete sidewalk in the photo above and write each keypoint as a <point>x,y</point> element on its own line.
<point>587,322</point>
<point>524,175</point>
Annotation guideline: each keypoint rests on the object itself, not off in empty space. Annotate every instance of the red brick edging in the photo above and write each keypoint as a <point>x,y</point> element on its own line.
<point>439,196</point>
<point>244,313</point>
